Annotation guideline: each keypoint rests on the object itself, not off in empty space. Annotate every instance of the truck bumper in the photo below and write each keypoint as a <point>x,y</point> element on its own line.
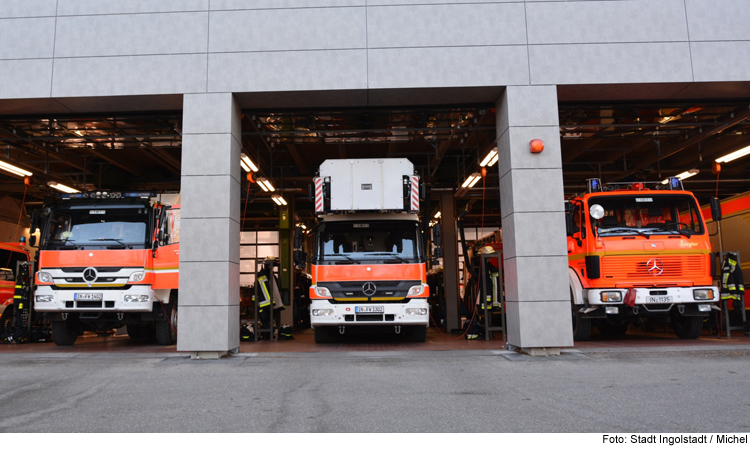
<point>414,312</point>
<point>652,300</point>
<point>48,300</point>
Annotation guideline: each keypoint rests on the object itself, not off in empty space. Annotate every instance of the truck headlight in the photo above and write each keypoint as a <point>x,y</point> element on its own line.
<point>703,294</point>
<point>136,298</point>
<point>319,312</point>
<point>323,292</point>
<point>416,290</point>
<point>44,298</point>
<point>44,277</point>
<point>136,276</point>
<point>416,311</point>
<point>611,296</point>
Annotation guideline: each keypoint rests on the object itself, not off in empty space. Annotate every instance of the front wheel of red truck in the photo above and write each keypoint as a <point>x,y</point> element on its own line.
<point>581,326</point>
<point>166,330</point>
<point>687,327</point>
<point>64,332</point>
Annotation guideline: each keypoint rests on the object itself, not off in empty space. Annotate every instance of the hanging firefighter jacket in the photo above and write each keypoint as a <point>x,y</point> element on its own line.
<point>732,283</point>
<point>264,294</point>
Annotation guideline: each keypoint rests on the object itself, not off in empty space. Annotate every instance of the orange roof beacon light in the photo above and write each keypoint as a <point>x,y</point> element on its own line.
<point>536,146</point>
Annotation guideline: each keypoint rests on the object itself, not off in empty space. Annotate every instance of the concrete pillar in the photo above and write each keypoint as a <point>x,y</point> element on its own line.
<point>208,324</point>
<point>532,207</point>
<point>450,261</point>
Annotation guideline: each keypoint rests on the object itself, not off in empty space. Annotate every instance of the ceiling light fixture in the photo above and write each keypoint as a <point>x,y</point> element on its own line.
<point>62,187</point>
<point>247,164</point>
<point>683,175</point>
<point>261,183</point>
<point>734,155</point>
<point>14,169</point>
<point>269,186</point>
<point>279,200</point>
<point>490,159</point>
<point>471,180</point>
<point>438,214</point>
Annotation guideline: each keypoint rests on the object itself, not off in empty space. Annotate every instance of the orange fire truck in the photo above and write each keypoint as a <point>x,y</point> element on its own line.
<point>368,264</point>
<point>637,254</point>
<point>107,260</point>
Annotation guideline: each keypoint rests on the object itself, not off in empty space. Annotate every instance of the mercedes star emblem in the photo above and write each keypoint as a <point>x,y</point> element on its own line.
<point>89,274</point>
<point>369,289</point>
<point>655,266</point>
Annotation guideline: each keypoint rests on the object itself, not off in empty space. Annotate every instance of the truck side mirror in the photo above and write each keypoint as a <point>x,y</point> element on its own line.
<point>715,209</point>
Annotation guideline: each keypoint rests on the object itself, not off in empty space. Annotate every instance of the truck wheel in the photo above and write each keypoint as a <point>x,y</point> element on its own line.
<point>687,327</point>
<point>608,329</point>
<point>141,331</point>
<point>581,326</point>
<point>64,332</point>
<point>6,320</point>
<point>322,335</point>
<point>166,331</point>
<point>418,334</point>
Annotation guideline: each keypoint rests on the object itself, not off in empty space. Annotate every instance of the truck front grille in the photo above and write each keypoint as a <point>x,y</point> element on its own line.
<point>636,267</point>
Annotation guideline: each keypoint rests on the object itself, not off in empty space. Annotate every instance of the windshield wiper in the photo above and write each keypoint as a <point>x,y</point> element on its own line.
<point>122,245</point>
<point>347,257</point>
<point>391,255</point>
<point>65,242</point>
<point>666,229</point>
<point>621,230</point>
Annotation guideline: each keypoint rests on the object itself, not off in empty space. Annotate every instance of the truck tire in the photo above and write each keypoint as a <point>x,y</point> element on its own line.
<point>687,327</point>
<point>322,335</point>
<point>141,331</point>
<point>166,330</point>
<point>608,329</point>
<point>64,332</point>
<point>418,334</point>
<point>581,326</point>
<point>6,320</point>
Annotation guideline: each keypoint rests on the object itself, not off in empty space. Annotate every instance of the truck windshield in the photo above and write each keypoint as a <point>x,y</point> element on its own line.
<point>648,215</point>
<point>105,226</point>
<point>384,241</point>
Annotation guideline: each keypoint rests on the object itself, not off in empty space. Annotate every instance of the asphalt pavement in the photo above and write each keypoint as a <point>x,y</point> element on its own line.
<point>684,389</point>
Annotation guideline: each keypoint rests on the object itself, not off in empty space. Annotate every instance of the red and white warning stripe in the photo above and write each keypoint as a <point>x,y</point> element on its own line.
<point>415,193</point>
<point>318,195</point>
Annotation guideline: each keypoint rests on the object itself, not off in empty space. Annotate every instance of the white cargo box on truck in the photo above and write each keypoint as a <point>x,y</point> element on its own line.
<point>369,185</point>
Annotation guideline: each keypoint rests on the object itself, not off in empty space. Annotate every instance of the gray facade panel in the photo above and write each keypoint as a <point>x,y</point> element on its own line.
<point>203,114</point>
<point>27,8</point>
<point>434,2</point>
<point>718,19</point>
<point>534,234</point>
<point>209,328</point>
<point>91,7</point>
<point>721,61</point>
<point>537,278</point>
<point>210,197</point>
<point>210,154</point>
<point>129,75</point>
<point>222,233</point>
<point>513,113</point>
<point>517,139</point>
<point>291,29</point>
<point>131,34</point>
<point>446,25</point>
<point>446,67</point>
<point>541,324</point>
<point>218,5</point>
<point>537,190</point>
<point>606,22</point>
<point>610,63</point>
<point>287,71</point>
<point>27,38</point>
<point>26,78</point>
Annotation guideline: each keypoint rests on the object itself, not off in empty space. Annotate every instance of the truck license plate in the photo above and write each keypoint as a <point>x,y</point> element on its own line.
<point>88,296</point>
<point>658,299</point>
<point>368,309</point>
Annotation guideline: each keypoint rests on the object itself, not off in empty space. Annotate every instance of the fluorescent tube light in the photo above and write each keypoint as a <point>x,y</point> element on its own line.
<point>14,169</point>
<point>734,155</point>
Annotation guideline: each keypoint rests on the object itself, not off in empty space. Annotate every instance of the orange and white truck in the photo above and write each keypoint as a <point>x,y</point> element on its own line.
<point>368,262</point>
<point>639,252</point>
<point>107,260</point>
